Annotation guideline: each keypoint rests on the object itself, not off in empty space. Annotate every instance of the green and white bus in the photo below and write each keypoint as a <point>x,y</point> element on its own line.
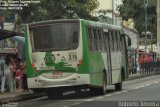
<point>72,54</point>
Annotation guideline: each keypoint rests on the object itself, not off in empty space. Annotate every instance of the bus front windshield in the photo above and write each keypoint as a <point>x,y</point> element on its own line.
<point>55,37</point>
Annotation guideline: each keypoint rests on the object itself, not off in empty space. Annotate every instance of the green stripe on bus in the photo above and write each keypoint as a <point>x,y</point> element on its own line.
<point>30,71</point>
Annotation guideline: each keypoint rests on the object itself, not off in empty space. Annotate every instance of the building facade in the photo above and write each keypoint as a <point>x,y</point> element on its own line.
<point>114,14</point>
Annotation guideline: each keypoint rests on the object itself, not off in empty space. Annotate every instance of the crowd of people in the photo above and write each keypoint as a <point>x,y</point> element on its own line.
<point>145,64</point>
<point>13,75</point>
<point>149,64</point>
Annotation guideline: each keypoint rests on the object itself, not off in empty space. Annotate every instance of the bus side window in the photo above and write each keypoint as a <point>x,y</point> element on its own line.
<point>101,31</point>
<point>104,41</point>
<point>108,39</point>
<point>121,42</point>
<point>99,38</point>
<point>112,40</point>
<point>95,45</point>
<point>89,38</point>
<point>32,43</point>
<point>118,41</point>
<point>92,39</point>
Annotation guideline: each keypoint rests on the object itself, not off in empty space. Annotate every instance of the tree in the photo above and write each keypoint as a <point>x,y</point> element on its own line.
<point>136,9</point>
<point>52,9</point>
<point>57,9</point>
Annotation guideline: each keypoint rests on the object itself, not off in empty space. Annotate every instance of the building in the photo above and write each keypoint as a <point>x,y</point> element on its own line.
<point>133,34</point>
<point>109,4</point>
<point>105,4</point>
<point>9,26</point>
<point>111,17</point>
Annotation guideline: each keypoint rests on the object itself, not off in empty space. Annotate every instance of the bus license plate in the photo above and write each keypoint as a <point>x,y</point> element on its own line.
<point>57,74</point>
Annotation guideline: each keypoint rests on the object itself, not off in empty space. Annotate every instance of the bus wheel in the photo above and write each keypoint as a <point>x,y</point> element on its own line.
<point>118,86</point>
<point>102,90</point>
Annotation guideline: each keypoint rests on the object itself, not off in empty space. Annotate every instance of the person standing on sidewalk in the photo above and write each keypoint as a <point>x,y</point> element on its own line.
<point>19,75</point>
<point>8,75</point>
<point>23,68</point>
<point>141,62</point>
<point>2,61</point>
<point>14,65</point>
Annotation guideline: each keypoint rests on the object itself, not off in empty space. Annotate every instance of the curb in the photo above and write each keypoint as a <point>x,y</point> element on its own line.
<point>141,76</point>
<point>21,97</point>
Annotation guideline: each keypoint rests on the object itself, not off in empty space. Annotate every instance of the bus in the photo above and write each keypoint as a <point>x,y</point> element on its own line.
<point>72,54</point>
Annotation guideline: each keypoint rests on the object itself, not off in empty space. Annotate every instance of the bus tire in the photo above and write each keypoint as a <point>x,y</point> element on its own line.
<point>102,90</point>
<point>123,74</point>
<point>118,86</point>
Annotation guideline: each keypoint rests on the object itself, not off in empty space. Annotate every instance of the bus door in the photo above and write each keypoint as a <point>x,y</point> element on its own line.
<point>108,53</point>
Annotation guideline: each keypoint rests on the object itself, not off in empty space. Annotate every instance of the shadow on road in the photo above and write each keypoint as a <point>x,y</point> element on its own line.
<point>84,94</point>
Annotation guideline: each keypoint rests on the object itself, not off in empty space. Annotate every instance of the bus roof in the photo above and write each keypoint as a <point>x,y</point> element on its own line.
<point>104,25</point>
<point>92,23</point>
<point>53,21</point>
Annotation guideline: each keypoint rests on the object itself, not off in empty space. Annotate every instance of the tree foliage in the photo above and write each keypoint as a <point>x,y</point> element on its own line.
<point>136,9</point>
<point>56,9</point>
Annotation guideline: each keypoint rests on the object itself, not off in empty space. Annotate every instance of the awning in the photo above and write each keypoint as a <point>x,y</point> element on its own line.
<point>7,34</point>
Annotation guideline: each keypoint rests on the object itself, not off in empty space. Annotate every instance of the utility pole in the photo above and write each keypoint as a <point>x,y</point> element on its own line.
<point>146,5</point>
<point>1,20</point>
<point>158,26</point>
<point>113,12</point>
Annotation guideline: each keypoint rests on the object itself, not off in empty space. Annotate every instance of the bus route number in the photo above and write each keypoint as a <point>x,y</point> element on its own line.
<point>50,58</point>
<point>72,56</point>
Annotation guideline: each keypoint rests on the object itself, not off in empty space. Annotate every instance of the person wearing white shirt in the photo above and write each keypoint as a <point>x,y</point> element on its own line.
<point>8,75</point>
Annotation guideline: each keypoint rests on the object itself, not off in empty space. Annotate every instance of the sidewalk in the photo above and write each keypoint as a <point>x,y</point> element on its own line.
<point>135,76</point>
<point>138,75</point>
<point>18,96</point>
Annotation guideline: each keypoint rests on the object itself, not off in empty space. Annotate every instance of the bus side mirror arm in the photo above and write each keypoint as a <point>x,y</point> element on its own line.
<point>129,41</point>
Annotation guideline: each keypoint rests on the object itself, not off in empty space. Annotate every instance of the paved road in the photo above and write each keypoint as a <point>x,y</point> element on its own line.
<point>135,93</point>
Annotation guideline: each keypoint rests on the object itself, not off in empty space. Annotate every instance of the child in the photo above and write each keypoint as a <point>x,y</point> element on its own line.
<point>18,77</point>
